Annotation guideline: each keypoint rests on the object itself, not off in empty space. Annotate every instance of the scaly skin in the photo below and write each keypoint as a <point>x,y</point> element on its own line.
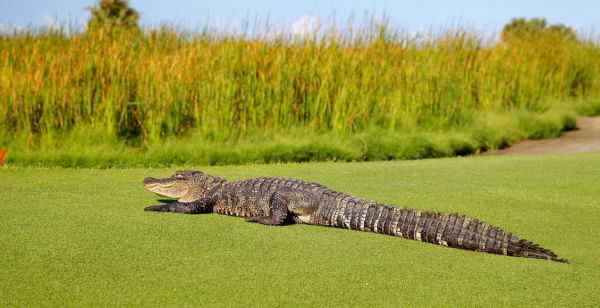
<point>275,201</point>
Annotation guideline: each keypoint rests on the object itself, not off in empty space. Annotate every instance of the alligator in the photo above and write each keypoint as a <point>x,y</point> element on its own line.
<point>279,201</point>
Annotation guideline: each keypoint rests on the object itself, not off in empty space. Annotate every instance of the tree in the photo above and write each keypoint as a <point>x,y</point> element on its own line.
<point>563,31</point>
<point>521,28</point>
<point>113,14</point>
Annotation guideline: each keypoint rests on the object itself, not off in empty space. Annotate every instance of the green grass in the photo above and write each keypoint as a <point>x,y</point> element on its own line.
<point>93,148</point>
<point>75,237</point>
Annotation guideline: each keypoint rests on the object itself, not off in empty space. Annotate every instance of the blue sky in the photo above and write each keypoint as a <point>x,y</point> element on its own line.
<point>482,16</point>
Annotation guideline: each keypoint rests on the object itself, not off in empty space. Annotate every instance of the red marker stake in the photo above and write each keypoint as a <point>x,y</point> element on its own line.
<point>2,156</point>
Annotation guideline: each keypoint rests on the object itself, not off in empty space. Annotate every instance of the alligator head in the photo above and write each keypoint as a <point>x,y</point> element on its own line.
<point>184,185</point>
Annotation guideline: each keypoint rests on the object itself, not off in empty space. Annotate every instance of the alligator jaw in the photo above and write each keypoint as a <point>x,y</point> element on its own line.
<point>168,187</point>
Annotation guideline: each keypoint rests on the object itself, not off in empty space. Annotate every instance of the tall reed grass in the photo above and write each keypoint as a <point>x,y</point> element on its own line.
<point>166,83</point>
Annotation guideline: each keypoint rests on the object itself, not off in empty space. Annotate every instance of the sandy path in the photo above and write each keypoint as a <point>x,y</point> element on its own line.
<point>585,139</point>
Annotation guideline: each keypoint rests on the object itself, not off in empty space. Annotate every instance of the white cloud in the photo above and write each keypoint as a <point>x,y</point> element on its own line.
<point>497,39</point>
<point>8,29</point>
<point>269,34</point>
<point>306,25</point>
<point>227,25</point>
<point>51,22</point>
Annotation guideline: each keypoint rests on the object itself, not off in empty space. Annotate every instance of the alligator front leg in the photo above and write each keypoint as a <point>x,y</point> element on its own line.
<point>194,207</point>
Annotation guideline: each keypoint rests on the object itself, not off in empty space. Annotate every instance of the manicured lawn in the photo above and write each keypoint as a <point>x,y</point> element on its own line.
<point>79,237</point>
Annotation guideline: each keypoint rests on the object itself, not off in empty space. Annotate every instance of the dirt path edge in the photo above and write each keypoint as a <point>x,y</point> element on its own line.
<point>585,139</point>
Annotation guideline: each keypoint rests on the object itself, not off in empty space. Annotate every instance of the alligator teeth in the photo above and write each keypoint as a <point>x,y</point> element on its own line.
<point>151,185</point>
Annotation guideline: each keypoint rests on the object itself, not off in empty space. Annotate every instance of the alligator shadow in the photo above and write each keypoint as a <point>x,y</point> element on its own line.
<point>166,200</point>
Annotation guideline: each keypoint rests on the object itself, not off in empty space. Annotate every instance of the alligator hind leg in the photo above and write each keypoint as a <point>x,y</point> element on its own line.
<point>278,210</point>
<point>285,202</point>
<point>194,207</point>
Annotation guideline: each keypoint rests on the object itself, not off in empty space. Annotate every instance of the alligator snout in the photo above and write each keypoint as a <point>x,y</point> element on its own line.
<point>149,180</point>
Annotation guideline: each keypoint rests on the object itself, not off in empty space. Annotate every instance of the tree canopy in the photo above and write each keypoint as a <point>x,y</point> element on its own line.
<point>113,13</point>
<point>521,28</point>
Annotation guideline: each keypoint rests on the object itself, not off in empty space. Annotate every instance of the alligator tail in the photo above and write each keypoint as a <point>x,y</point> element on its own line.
<point>452,230</point>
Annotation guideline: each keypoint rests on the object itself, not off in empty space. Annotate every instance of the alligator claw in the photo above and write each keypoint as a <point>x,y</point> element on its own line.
<point>157,208</point>
<point>252,219</point>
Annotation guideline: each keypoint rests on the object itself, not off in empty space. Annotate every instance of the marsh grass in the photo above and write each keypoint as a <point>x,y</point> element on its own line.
<point>127,94</point>
<point>87,147</point>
